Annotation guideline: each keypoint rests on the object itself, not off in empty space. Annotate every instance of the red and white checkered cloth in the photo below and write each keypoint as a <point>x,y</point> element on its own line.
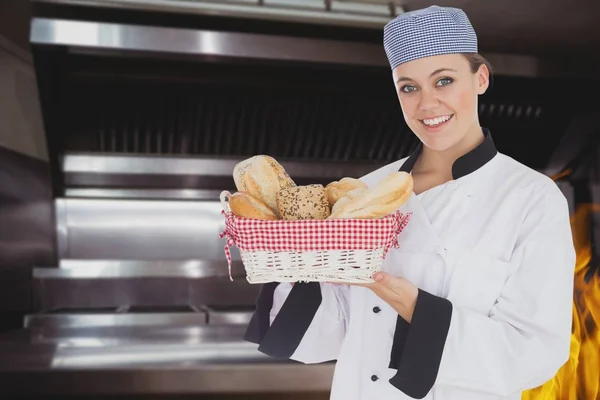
<point>312,235</point>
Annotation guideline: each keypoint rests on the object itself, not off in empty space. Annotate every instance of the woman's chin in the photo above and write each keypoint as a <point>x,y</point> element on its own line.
<point>438,143</point>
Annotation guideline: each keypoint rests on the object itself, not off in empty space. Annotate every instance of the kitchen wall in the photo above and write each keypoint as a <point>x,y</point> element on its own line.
<point>21,127</point>
<point>14,21</point>
<point>27,228</point>
<point>27,235</point>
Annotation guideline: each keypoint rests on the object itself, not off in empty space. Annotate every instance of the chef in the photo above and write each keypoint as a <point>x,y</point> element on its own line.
<point>476,303</point>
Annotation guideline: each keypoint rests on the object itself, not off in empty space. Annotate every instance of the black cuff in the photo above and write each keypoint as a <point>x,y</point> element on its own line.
<point>400,335</point>
<point>420,355</point>
<point>282,338</point>
<point>259,323</point>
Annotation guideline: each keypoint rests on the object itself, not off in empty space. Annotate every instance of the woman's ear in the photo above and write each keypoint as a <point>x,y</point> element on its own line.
<point>483,79</point>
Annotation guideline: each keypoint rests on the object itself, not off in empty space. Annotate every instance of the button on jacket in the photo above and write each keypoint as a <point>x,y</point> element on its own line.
<point>492,255</point>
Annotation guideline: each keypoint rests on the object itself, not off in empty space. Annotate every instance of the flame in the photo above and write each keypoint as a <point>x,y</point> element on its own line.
<point>579,377</point>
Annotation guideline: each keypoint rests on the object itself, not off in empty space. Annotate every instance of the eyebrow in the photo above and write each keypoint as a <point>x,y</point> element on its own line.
<point>437,71</point>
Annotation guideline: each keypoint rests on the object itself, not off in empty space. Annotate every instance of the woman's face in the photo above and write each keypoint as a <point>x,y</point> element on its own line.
<point>438,96</point>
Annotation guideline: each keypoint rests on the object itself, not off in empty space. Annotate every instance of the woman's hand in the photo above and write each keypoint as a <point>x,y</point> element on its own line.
<point>399,293</point>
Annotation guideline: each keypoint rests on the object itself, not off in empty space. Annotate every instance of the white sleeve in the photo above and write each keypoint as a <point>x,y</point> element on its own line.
<point>525,339</point>
<point>306,322</point>
<point>323,338</point>
<point>281,293</point>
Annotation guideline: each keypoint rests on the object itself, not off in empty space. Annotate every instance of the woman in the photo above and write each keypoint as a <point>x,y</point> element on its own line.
<point>477,302</point>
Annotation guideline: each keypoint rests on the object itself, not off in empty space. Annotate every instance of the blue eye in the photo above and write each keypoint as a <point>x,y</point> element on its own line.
<point>444,81</point>
<point>408,88</point>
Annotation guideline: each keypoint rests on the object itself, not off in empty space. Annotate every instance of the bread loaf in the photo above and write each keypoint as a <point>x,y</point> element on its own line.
<point>384,198</point>
<point>337,189</point>
<point>247,206</point>
<point>262,177</point>
<point>347,197</point>
<point>303,202</point>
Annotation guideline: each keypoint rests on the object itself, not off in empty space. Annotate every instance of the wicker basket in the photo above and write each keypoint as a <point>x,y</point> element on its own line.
<point>339,250</point>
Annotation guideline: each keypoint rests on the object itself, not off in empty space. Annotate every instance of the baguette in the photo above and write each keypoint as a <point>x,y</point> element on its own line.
<point>262,177</point>
<point>247,206</point>
<point>347,197</point>
<point>337,189</point>
<point>385,197</point>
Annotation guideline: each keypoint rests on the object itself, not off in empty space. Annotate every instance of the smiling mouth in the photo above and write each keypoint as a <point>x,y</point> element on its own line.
<point>437,121</point>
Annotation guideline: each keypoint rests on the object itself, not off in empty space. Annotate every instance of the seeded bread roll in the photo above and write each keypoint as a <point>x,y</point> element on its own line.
<point>337,189</point>
<point>247,206</point>
<point>303,202</point>
<point>262,177</point>
<point>384,198</point>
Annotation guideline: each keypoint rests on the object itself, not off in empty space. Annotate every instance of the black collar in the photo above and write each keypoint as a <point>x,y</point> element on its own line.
<point>465,164</point>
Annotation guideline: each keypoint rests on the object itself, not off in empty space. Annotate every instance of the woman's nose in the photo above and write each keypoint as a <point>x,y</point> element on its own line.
<point>429,101</point>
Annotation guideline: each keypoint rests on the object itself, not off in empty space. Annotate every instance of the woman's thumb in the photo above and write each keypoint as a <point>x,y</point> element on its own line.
<point>380,276</point>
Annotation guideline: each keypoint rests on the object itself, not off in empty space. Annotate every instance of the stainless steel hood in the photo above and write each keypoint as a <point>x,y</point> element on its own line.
<point>370,13</point>
<point>82,36</point>
<point>114,89</point>
<point>113,38</point>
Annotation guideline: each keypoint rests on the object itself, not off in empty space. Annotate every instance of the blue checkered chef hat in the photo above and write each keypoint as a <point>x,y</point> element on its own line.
<point>428,32</point>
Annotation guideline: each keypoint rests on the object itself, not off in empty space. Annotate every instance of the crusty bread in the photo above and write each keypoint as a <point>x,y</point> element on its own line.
<point>262,177</point>
<point>347,197</point>
<point>245,205</point>
<point>337,189</point>
<point>303,202</point>
<point>385,197</point>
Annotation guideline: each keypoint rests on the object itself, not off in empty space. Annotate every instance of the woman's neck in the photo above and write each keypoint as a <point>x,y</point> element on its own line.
<point>441,162</point>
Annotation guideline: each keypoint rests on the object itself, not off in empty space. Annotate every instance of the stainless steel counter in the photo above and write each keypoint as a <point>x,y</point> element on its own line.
<point>149,359</point>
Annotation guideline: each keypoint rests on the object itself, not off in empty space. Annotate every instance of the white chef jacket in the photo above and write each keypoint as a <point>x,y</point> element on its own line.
<point>493,257</point>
